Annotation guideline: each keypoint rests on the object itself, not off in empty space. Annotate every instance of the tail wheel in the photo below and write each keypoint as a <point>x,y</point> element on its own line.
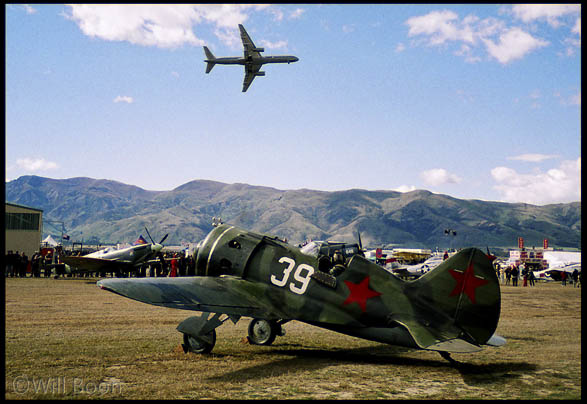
<point>263,332</point>
<point>192,344</point>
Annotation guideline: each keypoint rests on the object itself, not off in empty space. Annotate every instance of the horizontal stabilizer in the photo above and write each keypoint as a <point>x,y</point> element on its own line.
<point>456,345</point>
<point>436,339</point>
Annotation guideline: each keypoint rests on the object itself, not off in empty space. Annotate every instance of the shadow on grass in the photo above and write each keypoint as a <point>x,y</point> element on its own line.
<point>304,358</point>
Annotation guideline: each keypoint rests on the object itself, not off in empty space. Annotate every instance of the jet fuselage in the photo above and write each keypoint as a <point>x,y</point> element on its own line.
<point>253,61</point>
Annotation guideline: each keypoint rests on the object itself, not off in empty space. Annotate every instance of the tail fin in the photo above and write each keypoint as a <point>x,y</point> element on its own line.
<point>465,292</point>
<point>209,59</point>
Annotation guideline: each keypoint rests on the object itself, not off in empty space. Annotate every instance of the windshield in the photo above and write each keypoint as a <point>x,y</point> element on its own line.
<point>312,248</point>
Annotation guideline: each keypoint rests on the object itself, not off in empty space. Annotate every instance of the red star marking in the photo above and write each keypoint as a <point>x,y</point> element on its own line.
<point>359,293</point>
<point>467,282</point>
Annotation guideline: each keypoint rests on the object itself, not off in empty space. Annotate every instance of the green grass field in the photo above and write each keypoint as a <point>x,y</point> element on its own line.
<point>67,338</point>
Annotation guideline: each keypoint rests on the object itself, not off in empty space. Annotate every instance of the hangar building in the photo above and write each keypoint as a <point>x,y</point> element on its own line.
<point>23,226</point>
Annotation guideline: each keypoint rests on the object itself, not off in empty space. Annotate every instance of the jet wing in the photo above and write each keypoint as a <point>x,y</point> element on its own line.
<point>248,44</point>
<point>226,295</point>
<point>250,75</point>
<point>97,264</point>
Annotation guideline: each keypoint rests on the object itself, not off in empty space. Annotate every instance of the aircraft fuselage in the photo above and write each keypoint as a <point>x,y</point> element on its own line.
<point>253,61</point>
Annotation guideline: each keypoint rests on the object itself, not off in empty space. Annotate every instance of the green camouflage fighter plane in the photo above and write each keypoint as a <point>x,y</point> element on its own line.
<point>453,308</point>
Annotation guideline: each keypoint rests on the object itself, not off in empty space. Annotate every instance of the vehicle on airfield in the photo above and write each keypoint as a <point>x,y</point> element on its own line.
<point>453,308</point>
<point>252,59</point>
<point>121,260</point>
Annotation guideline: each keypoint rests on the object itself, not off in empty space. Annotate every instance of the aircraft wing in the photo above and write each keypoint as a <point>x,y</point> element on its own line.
<point>250,76</point>
<point>225,294</point>
<point>97,264</point>
<point>248,44</point>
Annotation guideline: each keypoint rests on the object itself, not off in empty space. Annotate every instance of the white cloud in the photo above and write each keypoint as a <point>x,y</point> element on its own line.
<point>273,45</point>
<point>439,25</point>
<point>277,14</point>
<point>439,176</point>
<point>533,157</point>
<point>400,47</point>
<point>550,12</point>
<point>161,25</point>
<point>123,98</point>
<point>567,100</point>
<point>347,29</point>
<point>32,164</point>
<point>297,13</point>
<point>405,188</point>
<point>29,9</point>
<point>557,185</point>
<point>474,36</point>
<point>513,44</point>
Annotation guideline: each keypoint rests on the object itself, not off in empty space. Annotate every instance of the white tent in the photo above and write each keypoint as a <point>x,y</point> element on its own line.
<point>50,241</point>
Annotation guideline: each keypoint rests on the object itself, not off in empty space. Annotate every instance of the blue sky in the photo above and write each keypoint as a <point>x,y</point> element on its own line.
<point>473,101</point>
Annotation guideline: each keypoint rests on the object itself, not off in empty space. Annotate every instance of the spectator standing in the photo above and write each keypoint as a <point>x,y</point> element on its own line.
<point>515,274</point>
<point>531,277</point>
<point>575,277</point>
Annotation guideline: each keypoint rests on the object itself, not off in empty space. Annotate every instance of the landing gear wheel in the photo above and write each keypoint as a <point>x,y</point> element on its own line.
<point>263,332</point>
<point>191,344</point>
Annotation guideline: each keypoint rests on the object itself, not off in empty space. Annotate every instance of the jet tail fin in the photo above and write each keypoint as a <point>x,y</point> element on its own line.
<point>209,59</point>
<point>465,292</point>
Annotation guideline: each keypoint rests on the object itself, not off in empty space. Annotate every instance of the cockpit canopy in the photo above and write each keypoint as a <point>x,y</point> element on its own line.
<point>312,249</point>
<point>328,248</point>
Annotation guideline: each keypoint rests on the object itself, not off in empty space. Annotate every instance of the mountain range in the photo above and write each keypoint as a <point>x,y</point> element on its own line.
<point>106,211</point>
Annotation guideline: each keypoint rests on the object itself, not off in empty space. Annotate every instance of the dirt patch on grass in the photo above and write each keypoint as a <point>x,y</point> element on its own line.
<point>66,338</point>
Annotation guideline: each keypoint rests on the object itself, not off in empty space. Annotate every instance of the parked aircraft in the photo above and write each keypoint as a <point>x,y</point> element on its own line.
<point>453,308</point>
<point>117,260</point>
<point>417,270</point>
<point>556,272</point>
<point>252,60</point>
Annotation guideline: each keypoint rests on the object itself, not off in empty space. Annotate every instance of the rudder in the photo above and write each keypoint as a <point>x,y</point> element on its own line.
<point>464,292</point>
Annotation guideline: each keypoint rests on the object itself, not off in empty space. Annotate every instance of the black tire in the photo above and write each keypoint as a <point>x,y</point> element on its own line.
<point>263,332</point>
<point>194,345</point>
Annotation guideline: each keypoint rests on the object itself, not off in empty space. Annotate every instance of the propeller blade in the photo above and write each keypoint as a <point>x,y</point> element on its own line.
<point>149,234</point>
<point>360,243</point>
<point>163,239</point>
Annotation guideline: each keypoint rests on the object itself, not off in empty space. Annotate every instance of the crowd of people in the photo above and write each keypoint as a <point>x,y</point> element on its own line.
<point>48,262</point>
<point>512,274</point>
<point>18,265</point>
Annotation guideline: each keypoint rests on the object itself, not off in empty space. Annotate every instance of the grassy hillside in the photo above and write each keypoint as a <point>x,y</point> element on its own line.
<point>114,212</point>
